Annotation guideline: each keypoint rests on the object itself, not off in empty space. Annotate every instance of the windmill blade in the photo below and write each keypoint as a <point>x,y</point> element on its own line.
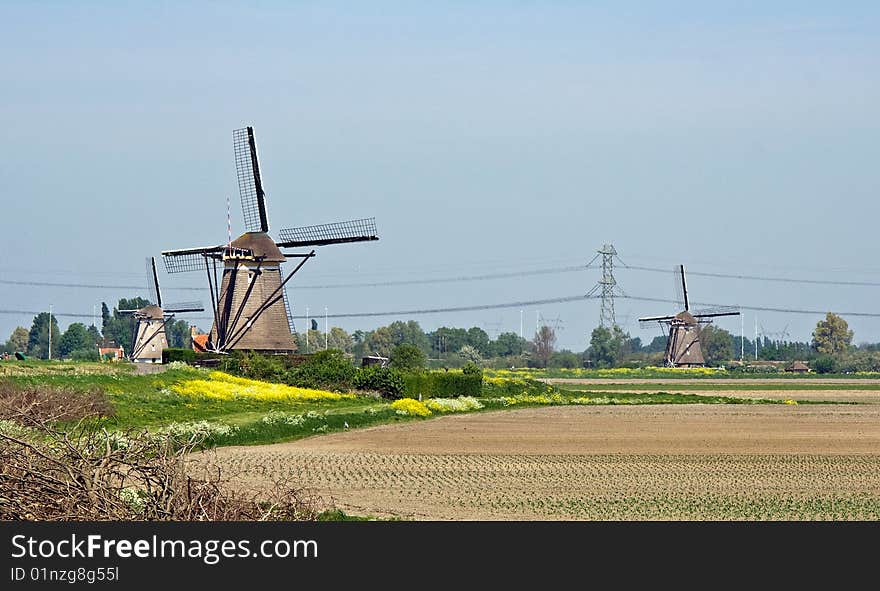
<point>182,307</point>
<point>189,259</point>
<point>153,282</point>
<point>250,185</point>
<point>716,315</point>
<point>655,319</point>
<point>716,311</point>
<point>323,234</point>
<point>677,286</point>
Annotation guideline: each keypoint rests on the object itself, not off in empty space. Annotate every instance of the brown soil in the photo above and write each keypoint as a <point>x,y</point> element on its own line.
<point>608,462</point>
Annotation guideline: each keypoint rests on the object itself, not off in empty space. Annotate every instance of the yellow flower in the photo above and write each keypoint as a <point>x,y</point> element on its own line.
<point>223,386</point>
<point>410,406</point>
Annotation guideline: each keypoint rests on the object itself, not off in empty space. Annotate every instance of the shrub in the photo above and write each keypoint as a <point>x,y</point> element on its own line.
<point>328,369</point>
<point>48,403</point>
<point>825,364</point>
<point>407,357</point>
<point>84,355</point>
<point>174,354</point>
<point>386,380</point>
<point>89,475</point>
<point>443,384</point>
<point>472,369</point>
<point>260,367</point>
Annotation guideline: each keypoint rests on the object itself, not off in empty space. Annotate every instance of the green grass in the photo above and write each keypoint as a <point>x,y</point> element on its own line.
<point>148,401</point>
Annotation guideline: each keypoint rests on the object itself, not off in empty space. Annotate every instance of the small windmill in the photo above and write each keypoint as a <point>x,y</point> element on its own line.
<point>250,305</point>
<point>149,334</point>
<point>683,343</point>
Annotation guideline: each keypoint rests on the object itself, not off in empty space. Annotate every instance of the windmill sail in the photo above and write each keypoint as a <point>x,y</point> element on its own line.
<point>362,230</point>
<point>153,282</point>
<point>250,184</point>
<point>182,307</point>
<point>190,259</point>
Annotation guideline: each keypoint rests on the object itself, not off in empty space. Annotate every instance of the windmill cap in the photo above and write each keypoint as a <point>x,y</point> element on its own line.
<point>686,317</point>
<point>261,245</point>
<point>152,312</point>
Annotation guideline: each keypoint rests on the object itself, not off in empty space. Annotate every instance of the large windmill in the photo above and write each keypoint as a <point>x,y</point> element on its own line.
<point>250,305</point>
<point>683,343</point>
<point>149,334</point>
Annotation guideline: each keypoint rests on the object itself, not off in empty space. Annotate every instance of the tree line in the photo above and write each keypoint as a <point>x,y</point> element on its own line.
<point>830,348</point>
<point>81,342</point>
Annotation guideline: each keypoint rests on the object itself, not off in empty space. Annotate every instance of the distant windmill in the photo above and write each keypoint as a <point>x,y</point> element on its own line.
<point>250,305</point>
<point>149,335</point>
<point>683,343</point>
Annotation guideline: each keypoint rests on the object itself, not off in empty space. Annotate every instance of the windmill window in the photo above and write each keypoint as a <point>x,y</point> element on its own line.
<point>153,347</point>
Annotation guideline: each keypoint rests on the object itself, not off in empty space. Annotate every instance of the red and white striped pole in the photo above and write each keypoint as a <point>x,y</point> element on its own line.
<point>228,222</point>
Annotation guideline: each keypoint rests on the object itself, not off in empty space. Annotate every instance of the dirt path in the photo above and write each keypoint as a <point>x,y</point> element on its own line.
<point>612,462</point>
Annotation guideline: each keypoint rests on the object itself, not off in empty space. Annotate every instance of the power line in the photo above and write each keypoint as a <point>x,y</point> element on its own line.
<point>481,277</point>
<point>519,304</point>
<point>764,278</point>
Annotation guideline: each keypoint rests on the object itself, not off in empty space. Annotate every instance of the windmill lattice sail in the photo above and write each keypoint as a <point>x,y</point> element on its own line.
<point>362,230</point>
<point>250,184</point>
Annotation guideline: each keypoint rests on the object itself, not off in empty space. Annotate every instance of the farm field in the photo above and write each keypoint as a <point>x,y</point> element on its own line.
<point>807,389</point>
<point>683,462</point>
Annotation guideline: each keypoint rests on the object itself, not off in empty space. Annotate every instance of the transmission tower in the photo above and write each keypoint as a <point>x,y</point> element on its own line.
<point>607,286</point>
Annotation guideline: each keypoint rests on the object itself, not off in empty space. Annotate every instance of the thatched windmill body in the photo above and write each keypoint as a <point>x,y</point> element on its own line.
<point>149,338</point>
<point>249,302</point>
<point>683,348</point>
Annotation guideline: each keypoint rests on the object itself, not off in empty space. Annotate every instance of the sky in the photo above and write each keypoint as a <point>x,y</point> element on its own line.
<point>736,138</point>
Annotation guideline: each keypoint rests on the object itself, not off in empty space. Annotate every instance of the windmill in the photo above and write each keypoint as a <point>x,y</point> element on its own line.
<point>250,304</point>
<point>149,334</point>
<point>683,343</point>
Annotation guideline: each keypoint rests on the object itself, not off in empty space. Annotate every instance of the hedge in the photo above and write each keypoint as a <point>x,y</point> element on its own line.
<point>442,384</point>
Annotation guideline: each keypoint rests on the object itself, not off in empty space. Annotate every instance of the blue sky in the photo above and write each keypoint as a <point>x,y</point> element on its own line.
<point>736,138</point>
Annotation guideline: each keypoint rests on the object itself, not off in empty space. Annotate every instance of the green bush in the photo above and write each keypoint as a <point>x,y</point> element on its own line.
<point>386,380</point>
<point>443,384</point>
<point>259,367</point>
<point>90,354</point>
<point>328,369</point>
<point>472,369</point>
<point>516,387</point>
<point>173,354</point>
<point>825,364</point>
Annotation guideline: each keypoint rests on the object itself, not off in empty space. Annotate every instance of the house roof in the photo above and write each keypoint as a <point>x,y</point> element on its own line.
<point>200,342</point>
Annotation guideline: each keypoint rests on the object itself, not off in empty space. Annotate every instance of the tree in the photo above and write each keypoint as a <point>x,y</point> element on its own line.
<point>407,356</point>
<point>339,339</point>
<point>479,340</point>
<point>717,344</point>
<point>379,342</point>
<point>410,333</point>
<point>178,334</point>
<point>657,345</point>
<point>120,327</point>
<point>18,340</point>
<point>446,340</point>
<point>565,358</point>
<point>38,337</point>
<point>509,343</point>
<point>604,350</point>
<point>75,338</point>
<point>543,345</point>
<point>470,354</point>
<point>832,335</point>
